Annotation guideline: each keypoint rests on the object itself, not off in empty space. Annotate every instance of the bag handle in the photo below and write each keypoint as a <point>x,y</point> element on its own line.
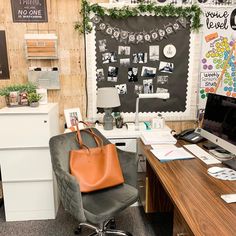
<point>97,139</point>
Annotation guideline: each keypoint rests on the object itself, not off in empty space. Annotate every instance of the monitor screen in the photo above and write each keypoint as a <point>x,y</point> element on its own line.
<point>219,123</point>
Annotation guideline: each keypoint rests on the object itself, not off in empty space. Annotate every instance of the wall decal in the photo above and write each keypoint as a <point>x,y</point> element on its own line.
<point>169,51</point>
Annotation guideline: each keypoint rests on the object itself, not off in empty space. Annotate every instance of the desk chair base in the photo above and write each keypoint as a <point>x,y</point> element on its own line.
<point>104,230</point>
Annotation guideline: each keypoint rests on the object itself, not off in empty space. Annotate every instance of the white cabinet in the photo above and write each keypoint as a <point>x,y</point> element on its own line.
<point>123,138</point>
<point>125,144</point>
<point>29,188</point>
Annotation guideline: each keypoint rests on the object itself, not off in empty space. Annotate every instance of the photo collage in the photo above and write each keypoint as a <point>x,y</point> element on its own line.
<point>146,79</point>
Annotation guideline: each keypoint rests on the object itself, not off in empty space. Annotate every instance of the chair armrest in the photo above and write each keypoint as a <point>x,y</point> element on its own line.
<point>129,166</point>
<point>70,194</point>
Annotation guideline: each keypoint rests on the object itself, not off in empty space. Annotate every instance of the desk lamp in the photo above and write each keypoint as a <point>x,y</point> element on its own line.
<point>147,95</point>
<point>108,98</point>
<point>226,62</point>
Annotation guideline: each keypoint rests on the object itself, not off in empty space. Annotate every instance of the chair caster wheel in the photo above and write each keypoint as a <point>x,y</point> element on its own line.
<point>112,224</point>
<point>77,230</point>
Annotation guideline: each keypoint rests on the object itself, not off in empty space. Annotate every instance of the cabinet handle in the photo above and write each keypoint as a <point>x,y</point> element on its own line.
<point>120,144</point>
<point>45,121</point>
<point>181,234</point>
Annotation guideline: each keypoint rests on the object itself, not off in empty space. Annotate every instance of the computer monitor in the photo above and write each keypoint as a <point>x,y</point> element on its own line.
<point>219,122</point>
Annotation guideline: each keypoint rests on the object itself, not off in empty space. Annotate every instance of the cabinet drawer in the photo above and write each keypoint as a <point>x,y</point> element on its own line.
<point>29,200</point>
<point>24,130</point>
<point>25,164</point>
<point>129,145</point>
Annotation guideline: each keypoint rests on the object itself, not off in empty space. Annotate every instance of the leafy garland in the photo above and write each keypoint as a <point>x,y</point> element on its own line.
<point>193,12</point>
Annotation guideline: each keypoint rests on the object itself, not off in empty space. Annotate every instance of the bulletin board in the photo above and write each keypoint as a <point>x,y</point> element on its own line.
<point>142,64</point>
<point>219,25</point>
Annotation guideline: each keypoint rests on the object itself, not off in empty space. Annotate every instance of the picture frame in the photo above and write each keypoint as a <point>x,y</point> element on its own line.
<point>73,115</point>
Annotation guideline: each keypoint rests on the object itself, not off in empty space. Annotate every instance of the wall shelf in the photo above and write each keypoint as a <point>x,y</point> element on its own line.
<point>41,46</point>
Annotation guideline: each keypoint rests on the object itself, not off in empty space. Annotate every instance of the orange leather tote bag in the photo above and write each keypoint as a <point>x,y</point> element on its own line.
<point>97,167</point>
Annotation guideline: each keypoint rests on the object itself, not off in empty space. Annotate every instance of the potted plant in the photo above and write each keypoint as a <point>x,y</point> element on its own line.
<point>33,99</point>
<point>19,88</point>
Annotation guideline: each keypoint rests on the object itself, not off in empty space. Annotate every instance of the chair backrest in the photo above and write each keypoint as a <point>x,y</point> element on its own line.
<point>68,187</point>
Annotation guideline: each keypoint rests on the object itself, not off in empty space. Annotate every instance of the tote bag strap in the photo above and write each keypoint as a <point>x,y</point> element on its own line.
<point>97,139</point>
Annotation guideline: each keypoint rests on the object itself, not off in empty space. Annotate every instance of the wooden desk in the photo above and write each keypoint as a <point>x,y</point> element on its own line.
<point>195,195</point>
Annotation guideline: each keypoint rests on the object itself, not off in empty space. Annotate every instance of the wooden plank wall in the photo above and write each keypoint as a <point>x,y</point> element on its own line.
<point>62,15</point>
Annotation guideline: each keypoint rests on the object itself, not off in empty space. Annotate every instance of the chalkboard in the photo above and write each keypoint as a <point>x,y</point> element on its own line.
<point>4,70</point>
<point>140,66</point>
<point>29,11</point>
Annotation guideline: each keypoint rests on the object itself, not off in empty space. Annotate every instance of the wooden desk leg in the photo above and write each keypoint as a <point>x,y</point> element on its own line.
<point>152,194</point>
<point>180,227</point>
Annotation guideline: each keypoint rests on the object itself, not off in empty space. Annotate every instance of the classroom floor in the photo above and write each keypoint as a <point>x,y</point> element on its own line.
<point>132,219</point>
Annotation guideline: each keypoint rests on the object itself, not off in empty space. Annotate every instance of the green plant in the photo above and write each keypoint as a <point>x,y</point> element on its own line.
<point>192,12</point>
<point>34,97</point>
<point>28,88</point>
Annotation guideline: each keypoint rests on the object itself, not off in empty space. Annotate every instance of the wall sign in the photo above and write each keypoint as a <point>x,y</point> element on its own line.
<point>217,42</point>
<point>4,70</point>
<point>29,10</point>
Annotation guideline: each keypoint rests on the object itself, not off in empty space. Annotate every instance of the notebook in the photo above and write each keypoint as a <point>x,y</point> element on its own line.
<point>157,137</point>
<point>172,154</point>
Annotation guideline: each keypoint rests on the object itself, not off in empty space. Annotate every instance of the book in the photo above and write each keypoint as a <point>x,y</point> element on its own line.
<point>157,137</point>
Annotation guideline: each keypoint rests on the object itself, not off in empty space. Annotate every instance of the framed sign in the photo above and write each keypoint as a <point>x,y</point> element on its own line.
<point>29,11</point>
<point>4,69</point>
<point>73,116</point>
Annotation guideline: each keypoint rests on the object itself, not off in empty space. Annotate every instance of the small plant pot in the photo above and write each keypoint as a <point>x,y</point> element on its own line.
<point>7,99</point>
<point>34,104</point>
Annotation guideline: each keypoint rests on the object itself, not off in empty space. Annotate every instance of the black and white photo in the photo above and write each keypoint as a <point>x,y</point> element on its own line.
<point>124,50</point>
<point>121,88</point>
<point>138,88</point>
<point>147,86</point>
<point>154,52</point>
<point>161,90</point>
<point>162,79</point>
<point>140,57</point>
<point>109,57</point>
<point>148,71</point>
<point>100,74</point>
<point>167,67</point>
<point>133,74</point>
<point>124,61</point>
<point>102,45</point>
<point>112,74</point>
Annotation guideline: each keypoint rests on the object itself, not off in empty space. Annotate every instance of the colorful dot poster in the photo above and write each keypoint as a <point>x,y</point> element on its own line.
<point>219,35</point>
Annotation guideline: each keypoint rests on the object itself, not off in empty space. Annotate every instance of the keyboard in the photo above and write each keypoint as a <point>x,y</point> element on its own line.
<point>201,154</point>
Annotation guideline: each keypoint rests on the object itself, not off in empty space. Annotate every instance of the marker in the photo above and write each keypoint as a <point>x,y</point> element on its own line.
<point>168,153</point>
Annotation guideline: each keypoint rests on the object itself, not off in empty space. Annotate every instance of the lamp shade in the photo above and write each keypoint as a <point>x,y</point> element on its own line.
<point>108,97</point>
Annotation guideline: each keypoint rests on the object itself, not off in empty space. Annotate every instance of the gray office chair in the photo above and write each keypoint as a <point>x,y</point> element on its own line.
<point>99,207</point>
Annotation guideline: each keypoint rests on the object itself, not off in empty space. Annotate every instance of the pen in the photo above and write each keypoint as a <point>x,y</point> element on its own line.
<point>168,153</point>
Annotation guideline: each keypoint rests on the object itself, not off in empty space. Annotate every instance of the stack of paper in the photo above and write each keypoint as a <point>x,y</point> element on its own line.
<point>173,153</point>
<point>157,137</point>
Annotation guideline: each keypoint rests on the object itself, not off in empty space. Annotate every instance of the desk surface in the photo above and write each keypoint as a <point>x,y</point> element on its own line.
<point>196,194</point>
